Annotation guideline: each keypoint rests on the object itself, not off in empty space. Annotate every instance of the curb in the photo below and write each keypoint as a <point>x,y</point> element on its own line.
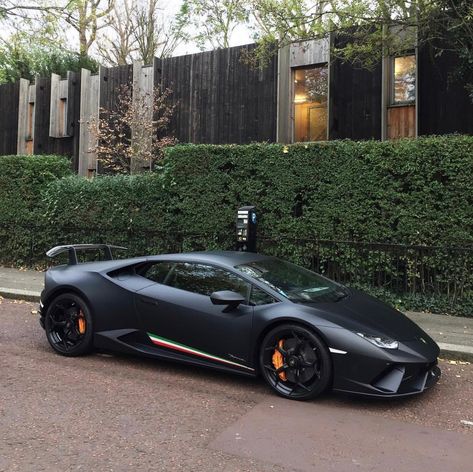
<point>456,352</point>
<point>19,294</point>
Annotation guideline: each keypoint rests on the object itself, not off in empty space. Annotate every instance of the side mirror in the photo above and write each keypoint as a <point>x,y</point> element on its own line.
<point>228,298</point>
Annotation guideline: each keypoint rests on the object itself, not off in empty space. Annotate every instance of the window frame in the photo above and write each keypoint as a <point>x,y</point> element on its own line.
<point>319,65</point>
<point>392,81</point>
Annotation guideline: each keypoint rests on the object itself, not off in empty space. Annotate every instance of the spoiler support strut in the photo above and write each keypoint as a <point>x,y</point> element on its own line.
<point>73,248</point>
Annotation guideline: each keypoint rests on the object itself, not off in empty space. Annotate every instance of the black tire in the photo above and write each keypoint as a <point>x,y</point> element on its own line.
<point>62,327</point>
<point>306,369</point>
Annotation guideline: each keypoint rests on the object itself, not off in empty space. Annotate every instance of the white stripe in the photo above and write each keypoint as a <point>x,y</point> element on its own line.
<point>336,351</point>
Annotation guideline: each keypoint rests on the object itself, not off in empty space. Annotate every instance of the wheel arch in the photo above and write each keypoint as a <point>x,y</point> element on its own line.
<point>61,290</point>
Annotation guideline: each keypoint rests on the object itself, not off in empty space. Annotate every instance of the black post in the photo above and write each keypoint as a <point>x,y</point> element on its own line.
<point>246,229</point>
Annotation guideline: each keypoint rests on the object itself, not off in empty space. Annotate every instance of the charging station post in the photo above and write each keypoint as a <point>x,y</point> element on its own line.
<point>246,229</point>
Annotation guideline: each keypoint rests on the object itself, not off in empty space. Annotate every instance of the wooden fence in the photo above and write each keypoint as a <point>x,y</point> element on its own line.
<point>219,99</point>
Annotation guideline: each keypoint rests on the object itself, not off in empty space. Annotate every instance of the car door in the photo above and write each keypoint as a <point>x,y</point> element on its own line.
<point>177,313</point>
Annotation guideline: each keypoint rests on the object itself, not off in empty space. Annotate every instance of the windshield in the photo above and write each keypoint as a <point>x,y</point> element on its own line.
<point>293,282</point>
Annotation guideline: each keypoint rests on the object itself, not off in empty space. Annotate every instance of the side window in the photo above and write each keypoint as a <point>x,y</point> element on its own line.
<point>260,297</point>
<point>158,271</point>
<point>205,279</point>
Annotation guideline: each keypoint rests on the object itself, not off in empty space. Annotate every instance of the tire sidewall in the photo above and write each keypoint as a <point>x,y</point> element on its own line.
<point>323,352</point>
<point>86,345</point>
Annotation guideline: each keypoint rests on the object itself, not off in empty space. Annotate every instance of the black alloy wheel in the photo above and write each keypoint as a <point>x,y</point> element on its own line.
<point>295,363</point>
<point>68,324</point>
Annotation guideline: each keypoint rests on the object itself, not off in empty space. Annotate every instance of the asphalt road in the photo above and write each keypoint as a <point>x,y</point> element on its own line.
<point>115,413</point>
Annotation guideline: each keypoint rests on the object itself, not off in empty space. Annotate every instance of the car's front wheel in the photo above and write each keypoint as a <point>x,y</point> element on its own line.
<point>295,362</point>
<point>69,326</point>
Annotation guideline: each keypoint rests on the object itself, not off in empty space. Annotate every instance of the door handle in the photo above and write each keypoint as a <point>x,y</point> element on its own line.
<point>149,301</point>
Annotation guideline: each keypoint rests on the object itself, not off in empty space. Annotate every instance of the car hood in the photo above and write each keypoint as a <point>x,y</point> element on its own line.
<point>360,312</point>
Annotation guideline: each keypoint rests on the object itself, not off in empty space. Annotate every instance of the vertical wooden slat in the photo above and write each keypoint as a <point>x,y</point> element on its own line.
<point>89,111</point>
<point>9,98</point>
<point>355,100</point>
<point>23,112</point>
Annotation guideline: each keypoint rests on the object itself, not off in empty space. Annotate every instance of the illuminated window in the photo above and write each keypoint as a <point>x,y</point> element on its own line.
<point>404,79</point>
<point>310,103</point>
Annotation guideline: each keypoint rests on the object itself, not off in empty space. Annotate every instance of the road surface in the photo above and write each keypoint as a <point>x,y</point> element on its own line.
<point>117,413</point>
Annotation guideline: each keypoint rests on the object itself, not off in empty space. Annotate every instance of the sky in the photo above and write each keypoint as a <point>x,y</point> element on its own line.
<point>241,35</point>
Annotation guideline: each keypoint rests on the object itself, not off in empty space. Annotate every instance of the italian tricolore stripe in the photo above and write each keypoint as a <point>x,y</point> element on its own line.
<point>163,342</point>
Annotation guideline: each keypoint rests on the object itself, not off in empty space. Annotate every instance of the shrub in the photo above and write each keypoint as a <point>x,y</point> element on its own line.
<point>22,179</point>
<point>408,191</point>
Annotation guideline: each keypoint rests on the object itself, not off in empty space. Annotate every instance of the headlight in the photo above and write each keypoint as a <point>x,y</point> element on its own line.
<point>380,341</point>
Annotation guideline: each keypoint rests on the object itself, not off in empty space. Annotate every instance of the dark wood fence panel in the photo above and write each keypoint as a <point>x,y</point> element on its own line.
<point>111,81</point>
<point>9,96</point>
<point>444,104</point>
<point>74,117</point>
<point>43,143</point>
<point>354,99</point>
<point>221,99</point>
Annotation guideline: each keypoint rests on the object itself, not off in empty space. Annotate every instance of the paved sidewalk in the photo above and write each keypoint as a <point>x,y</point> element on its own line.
<point>21,284</point>
<point>453,334</point>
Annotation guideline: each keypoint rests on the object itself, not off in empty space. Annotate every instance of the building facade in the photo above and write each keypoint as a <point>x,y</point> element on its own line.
<point>303,94</point>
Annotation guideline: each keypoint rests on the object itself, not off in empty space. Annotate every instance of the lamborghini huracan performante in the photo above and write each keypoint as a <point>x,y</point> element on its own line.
<point>241,312</point>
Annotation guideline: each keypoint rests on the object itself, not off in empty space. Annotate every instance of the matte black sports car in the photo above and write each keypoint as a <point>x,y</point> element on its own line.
<point>239,312</point>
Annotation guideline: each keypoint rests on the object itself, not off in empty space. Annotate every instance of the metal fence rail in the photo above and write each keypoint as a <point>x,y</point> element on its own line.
<point>401,269</point>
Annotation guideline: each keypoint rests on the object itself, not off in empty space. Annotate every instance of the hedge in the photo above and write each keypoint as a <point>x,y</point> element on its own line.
<point>22,180</point>
<point>408,192</point>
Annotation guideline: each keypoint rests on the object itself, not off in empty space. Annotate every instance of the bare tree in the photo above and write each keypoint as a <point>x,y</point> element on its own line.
<point>139,30</point>
<point>156,35</point>
<point>11,8</point>
<point>117,43</point>
<point>87,17</point>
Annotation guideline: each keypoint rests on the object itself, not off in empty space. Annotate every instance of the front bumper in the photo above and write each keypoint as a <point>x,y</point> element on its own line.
<point>369,370</point>
<point>398,380</point>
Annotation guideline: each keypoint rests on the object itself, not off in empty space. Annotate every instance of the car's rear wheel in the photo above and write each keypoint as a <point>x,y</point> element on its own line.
<point>295,362</point>
<point>69,326</point>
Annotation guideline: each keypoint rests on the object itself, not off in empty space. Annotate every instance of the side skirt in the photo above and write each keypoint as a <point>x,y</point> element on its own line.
<point>131,341</point>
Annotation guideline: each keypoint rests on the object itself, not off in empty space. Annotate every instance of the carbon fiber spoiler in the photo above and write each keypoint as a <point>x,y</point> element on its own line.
<point>73,248</point>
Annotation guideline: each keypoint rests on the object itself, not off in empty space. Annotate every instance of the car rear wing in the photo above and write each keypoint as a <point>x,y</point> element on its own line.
<point>73,248</point>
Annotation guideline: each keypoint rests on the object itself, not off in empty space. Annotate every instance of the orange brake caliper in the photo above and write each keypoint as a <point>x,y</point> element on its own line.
<point>278,360</point>
<point>81,325</point>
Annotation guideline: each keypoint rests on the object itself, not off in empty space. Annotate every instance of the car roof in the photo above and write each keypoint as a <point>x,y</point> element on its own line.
<point>223,258</point>
<point>226,258</point>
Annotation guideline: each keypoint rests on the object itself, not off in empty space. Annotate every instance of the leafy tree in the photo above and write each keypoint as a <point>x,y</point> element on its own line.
<point>24,56</point>
<point>214,20</point>
<point>372,28</point>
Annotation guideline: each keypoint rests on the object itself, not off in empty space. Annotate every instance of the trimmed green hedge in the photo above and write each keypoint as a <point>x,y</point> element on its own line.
<point>407,192</point>
<point>22,180</point>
